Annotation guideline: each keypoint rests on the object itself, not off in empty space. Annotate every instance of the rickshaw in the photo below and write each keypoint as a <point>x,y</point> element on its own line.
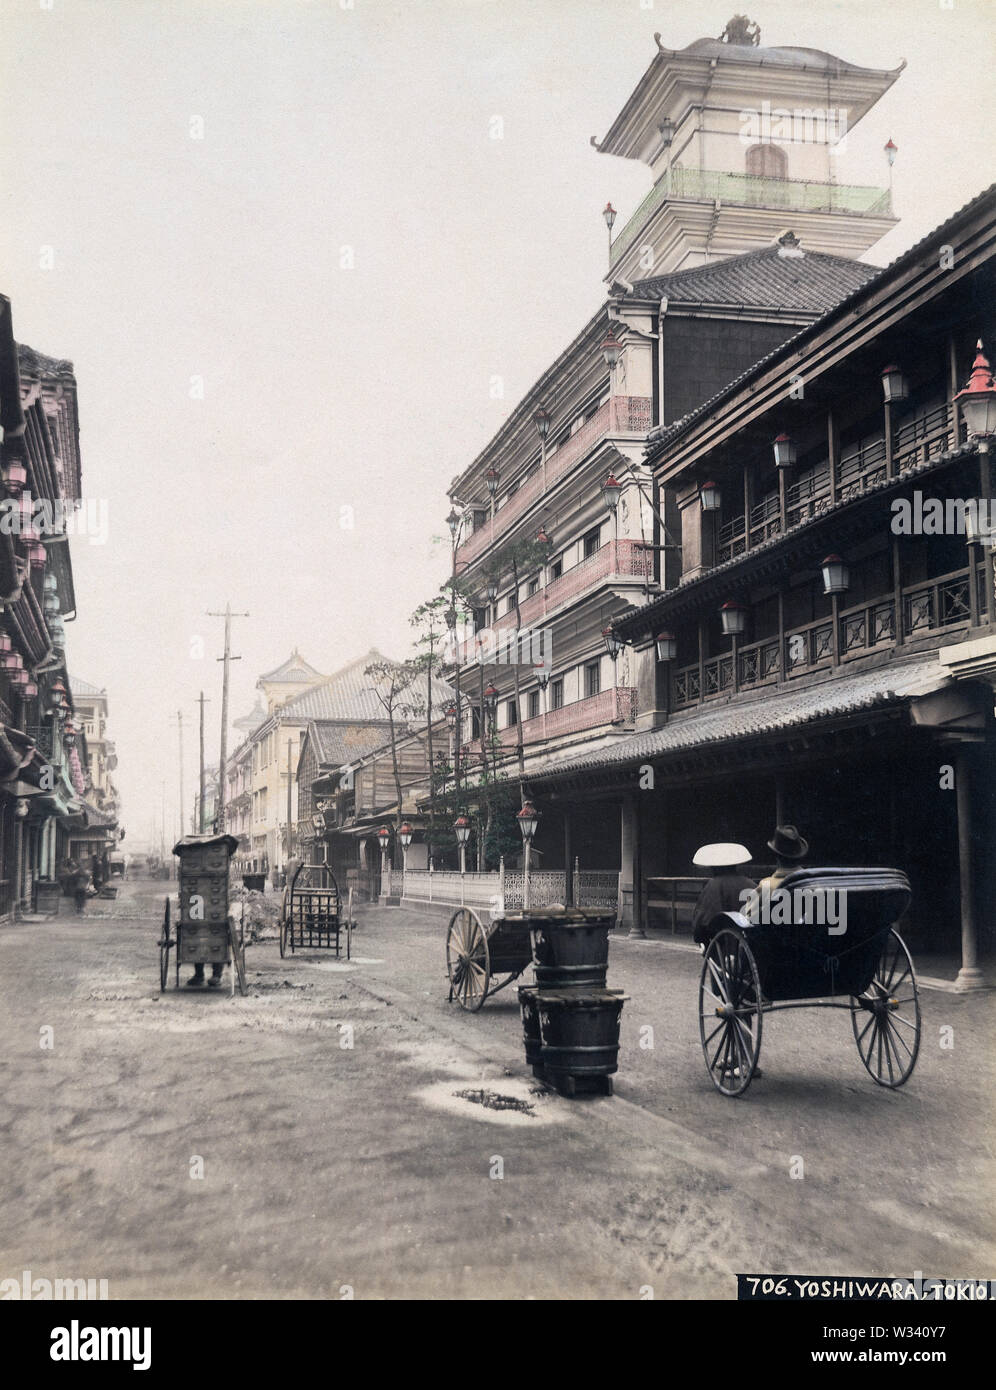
<point>311,917</point>
<point>205,932</point>
<point>756,967</point>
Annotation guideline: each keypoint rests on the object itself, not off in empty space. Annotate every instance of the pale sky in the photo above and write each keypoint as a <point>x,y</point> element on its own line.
<point>325,125</point>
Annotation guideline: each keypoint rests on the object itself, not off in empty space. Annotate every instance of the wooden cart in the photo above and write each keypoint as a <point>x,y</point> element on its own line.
<point>311,917</point>
<point>204,932</point>
<point>753,968</point>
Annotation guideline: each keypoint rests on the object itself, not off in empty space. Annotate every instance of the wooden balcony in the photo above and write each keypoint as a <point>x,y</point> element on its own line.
<point>931,431</point>
<point>609,707</point>
<point>615,560</point>
<point>619,415</point>
<point>938,605</point>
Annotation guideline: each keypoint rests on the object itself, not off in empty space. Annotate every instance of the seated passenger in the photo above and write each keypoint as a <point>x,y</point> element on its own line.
<point>724,891</point>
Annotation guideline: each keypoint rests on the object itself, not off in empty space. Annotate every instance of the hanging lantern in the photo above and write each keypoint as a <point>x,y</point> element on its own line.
<point>542,419</point>
<point>710,497</point>
<point>405,834</point>
<point>528,819</point>
<point>384,836</point>
<point>542,676</point>
<point>612,640</point>
<point>491,699</point>
<point>491,477</point>
<point>491,589</point>
<point>785,451</point>
<point>37,554</point>
<point>21,807</point>
<point>11,661</point>
<point>836,575</point>
<point>20,680</point>
<point>611,492</point>
<point>461,828</point>
<point>667,646</point>
<point>15,476</point>
<point>666,129</point>
<point>734,618</point>
<point>30,691</point>
<point>453,522</point>
<point>610,215</point>
<point>611,350</point>
<point>978,399</point>
<point>5,643</point>
<point>894,387</point>
<point>451,716</point>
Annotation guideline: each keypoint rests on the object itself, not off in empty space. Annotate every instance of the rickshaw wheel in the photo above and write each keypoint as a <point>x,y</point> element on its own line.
<point>729,1012</point>
<point>886,1017</point>
<point>164,945</point>
<point>468,960</point>
<point>284,928</point>
<point>238,957</point>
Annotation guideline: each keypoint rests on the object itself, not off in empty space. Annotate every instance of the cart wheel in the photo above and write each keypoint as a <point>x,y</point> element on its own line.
<point>284,927</point>
<point>467,959</point>
<point>886,1017</point>
<point>729,1016</point>
<point>164,945</point>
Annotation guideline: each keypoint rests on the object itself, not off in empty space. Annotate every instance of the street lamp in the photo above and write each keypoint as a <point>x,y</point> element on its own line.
<point>667,128</point>
<point>894,384</point>
<point>836,575</point>
<point>451,715</point>
<point>785,451</point>
<point>491,477</point>
<point>453,522</point>
<point>667,646</point>
<point>710,497</point>
<point>384,836</point>
<point>461,828</point>
<point>528,819</point>
<point>977,400</point>
<point>610,215</point>
<point>613,642</point>
<point>491,589</point>
<point>611,350</point>
<point>734,618</point>
<point>490,700</point>
<point>542,420</point>
<point>405,836</point>
<point>611,492</point>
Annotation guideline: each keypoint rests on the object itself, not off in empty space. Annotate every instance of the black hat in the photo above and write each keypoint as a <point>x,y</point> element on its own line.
<point>787,843</point>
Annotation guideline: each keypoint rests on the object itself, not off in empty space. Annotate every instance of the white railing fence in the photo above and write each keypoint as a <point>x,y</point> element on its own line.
<point>592,887</point>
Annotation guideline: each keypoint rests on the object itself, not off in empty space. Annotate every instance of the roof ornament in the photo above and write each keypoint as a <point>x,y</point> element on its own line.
<point>790,247</point>
<point>743,31</point>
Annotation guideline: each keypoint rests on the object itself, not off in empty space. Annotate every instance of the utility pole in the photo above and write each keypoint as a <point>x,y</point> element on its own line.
<point>289,830</point>
<point>201,826</point>
<point>179,725</point>
<point>228,615</point>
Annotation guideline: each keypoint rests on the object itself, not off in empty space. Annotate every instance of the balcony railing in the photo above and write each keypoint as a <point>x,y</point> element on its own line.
<point>936,605</point>
<point>929,432</point>
<point>615,706</point>
<point>619,559</point>
<point>619,415</point>
<point>795,195</point>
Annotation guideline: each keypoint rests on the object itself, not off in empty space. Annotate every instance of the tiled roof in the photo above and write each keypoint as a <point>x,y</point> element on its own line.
<point>810,59</point>
<point>766,279</point>
<point>664,434</point>
<point>294,669</point>
<point>337,744</point>
<point>81,687</point>
<point>349,695</point>
<point>841,694</point>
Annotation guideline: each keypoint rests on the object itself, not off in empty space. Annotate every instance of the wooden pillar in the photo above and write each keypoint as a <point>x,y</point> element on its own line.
<point>628,837</point>
<point>702,646</point>
<point>568,861</point>
<point>781,499</point>
<point>969,976</point>
<point>897,592</point>
<point>890,465</point>
<point>985,492</point>
<point>779,798</point>
<point>746,508</point>
<point>833,453</point>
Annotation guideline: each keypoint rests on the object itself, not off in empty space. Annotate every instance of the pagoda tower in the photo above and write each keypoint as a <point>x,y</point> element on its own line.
<point>744,142</point>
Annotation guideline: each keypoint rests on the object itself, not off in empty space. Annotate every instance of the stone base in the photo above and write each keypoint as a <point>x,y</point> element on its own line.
<point>969,977</point>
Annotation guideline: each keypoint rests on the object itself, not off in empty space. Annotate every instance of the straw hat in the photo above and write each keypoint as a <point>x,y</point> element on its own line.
<point>721,856</point>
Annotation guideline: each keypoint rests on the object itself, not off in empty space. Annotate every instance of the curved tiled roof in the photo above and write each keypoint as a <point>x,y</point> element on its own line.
<point>664,434</point>
<point>765,279</point>
<point>801,58</point>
